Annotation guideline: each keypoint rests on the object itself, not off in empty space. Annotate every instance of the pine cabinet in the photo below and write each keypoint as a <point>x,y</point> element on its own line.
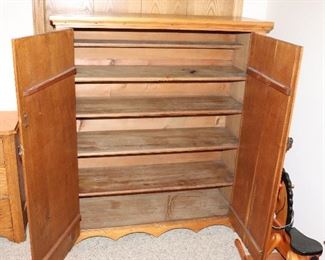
<point>12,200</point>
<point>147,123</point>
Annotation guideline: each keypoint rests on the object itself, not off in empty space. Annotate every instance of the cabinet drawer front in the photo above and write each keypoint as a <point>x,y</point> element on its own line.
<point>5,215</point>
<point>2,157</point>
<point>3,183</point>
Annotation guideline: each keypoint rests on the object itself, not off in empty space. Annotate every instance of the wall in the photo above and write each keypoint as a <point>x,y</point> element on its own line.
<point>16,20</point>
<point>255,9</point>
<point>298,21</point>
<point>303,23</point>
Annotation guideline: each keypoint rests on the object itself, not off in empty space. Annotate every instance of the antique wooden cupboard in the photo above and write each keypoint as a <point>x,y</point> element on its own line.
<point>182,122</point>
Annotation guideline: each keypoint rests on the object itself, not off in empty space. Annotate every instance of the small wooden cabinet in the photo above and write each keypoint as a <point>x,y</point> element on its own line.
<point>12,202</point>
<point>182,122</point>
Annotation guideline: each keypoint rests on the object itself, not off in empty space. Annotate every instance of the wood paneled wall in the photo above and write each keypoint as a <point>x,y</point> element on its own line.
<point>44,8</point>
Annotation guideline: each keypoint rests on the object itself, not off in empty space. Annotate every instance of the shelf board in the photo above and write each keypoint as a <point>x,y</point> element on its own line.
<point>118,211</point>
<point>102,181</point>
<point>99,43</point>
<point>139,73</point>
<point>162,21</point>
<point>106,143</point>
<point>119,107</point>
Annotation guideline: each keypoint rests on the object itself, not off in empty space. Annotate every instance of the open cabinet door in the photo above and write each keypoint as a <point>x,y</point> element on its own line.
<point>270,89</point>
<point>44,70</point>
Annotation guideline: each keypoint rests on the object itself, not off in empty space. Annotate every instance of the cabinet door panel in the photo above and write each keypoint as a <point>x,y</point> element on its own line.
<point>44,70</point>
<point>270,88</point>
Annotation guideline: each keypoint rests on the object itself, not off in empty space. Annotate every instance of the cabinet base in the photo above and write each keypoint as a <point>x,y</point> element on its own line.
<point>155,229</point>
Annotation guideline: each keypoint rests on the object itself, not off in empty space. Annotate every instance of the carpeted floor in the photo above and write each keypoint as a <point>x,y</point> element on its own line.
<point>215,243</point>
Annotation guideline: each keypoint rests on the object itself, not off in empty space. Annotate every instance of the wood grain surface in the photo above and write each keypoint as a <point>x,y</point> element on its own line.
<point>155,229</point>
<point>265,125</point>
<point>163,89</point>
<point>162,21</point>
<point>48,135</point>
<point>42,9</point>
<point>113,124</point>
<point>153,178</point>
<point>156,159</point>
<point>118,211</point>
<point>2,156</point>
<point>93,107</point>
<point>8,123</point>
<point>153,56</point>
<point>3,183</point>
<point>155,44</point>
<point>6,229</point>
<point>102,143</point>
<point>157,73</point>
<point>10,183</point>
<point>163,36</point>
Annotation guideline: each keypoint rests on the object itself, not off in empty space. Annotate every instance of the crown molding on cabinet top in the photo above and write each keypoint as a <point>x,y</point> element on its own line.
<point>159,21</point>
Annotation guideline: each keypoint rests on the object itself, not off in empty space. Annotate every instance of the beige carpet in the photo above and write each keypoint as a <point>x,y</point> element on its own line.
<point>215,243</point>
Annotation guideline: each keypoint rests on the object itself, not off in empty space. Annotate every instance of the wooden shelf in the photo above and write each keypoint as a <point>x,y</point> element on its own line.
<point>96,43</point>
<point>105,143</point>
<point>162,21</point>
<point>115,211</point>
<point>92,74</point>
<point>153,178</point>
<point>119,107</point>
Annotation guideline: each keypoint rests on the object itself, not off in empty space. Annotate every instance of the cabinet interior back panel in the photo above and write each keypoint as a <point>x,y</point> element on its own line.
<point>115,211</point>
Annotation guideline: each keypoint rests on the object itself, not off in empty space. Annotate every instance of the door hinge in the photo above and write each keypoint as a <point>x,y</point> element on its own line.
<point>20,150</point>
<point>25,120</point>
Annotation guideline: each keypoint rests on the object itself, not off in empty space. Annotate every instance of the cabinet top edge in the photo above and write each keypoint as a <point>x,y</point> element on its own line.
<point>162,22</point>
<point>8,122</point>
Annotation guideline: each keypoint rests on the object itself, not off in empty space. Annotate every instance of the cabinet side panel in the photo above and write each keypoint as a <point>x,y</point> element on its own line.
<point>14,192</point>
<point>2,158</point>
<point>6,229</point>
<point>3,183</point>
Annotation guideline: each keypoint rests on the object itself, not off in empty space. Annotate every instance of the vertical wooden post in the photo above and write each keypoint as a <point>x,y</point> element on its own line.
<point>39,12</point>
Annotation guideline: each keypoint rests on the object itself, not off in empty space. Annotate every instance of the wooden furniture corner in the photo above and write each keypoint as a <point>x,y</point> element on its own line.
<point>12,208</point>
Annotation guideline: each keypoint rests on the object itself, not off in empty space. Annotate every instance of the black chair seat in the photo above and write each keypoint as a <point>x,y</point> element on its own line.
<point>303,245</point>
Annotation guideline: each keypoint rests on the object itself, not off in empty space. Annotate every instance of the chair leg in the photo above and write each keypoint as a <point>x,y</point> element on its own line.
<point>280,242</point>
<point>274,243</point>
<point>292,256</point>
<point>241,251</point>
